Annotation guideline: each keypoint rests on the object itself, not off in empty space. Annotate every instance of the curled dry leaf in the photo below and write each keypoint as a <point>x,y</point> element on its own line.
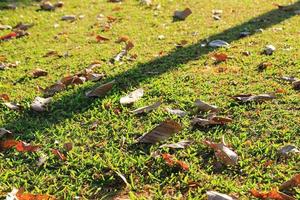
<point>68,18</point>
<point>51,53</point>
<point>13,106</point>
<point>177,112</point>
<point>39,72</point>
<point>123,38</point>
<point>60,155</point>
<point>101,90</point>
<point>39,104</point>
<point>220,57</point>
<point>16,194</point>
<point>218,43</point>
<point>273,194</point>
<point>182,15</point>
<point>146,109</point>
<point>46,5</point>
<point>4,97</point>
<point>162,132</point>
<point>264,65</point>
<point>213,195</point>
<point>5,133</point>
<point>269,49</point>
<point>101,38</point>
<point>122,53</point>
<point>8,36</point>
<point>51,90</point>
<point>94,76</point>
<point>288,149</point>
<point>296,85</point>
<point>171,161</point>
<point>257,98</point>
<point>132,97</point>
<point>22,27</point>
<point>293,182</point>
<point>68,146</point>
<point>24,147</point>
<point>289,79</point>
<point>205,107</point>
<point>72,80</point>
<point>122,177</point>
<point>226,155</point>
<point>179,145</point>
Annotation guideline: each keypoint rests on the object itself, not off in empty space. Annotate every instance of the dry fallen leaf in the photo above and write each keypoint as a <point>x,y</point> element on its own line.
<point>146,109</point>
<point>171,161</point>
<point>68,146</point>
<point>220,57</point>
<point>296,85</point>
<point>24,147</point>
<point>123,38</point>
<point>288,149</point>
<point>163,131</point>
<point>4,97</point>
<point>132,96</point>
<point>213,195</point>
<point>257,98</point>
<point>5,133</point>
<point>46,5</point>
<point>177,112</point>
<point>182,15</point>
<point>218,43</point>
<point>39,72</point>
<point>60,155</point>
<point>7,144</point>
<point>226,155</point>
<point>101,90</point>
<point>205,107</point>
<point>13,106</point>
<point>212,120</point>
<point>16,194</point>
<point>179,145</point>
<point>289,79</point>
<point>5,27</point>
<point>51,53</point>
<point>269,49</point>
<point>293,182</point>
<point>123,178</point>
<point>51,90</point>
<point>39,104</point>
<point>101,38</point>
<point>22,27</point>
<point>68,18</point>
<point>42,159</point>
<point>273,194</point>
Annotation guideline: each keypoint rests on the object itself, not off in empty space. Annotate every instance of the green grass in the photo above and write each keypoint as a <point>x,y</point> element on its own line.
<point>179,77</point>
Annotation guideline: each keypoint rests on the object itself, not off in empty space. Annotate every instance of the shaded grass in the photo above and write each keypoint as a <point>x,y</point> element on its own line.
<point>89,169</point>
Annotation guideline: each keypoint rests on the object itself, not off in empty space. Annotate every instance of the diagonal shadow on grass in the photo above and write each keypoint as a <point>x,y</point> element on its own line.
<point>75,102</point>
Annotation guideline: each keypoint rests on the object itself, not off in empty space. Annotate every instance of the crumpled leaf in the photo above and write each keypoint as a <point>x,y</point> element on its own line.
<point>273,194</point>
<point>22,27</point>
<point>296,85</point>
<point>101,90</point>
<point>122,53</point>
<point>213,195</point>
<point>269,49</point>
<point>39,72</point>
<point>24,147</point>
<point>226,155</point>
<point>263,65</point>
<point>72,80</point>
<point>257,98</point>
<point>101,38</point>
<point>68,146</point>
<point>7,144</point>
<point>4,97</point>
<point>60,155</point>
<point>68,18</point>
<point>39,104</point>
<point>205,107</point>
<point>293,182</point>
<point>16,194</point>
<point>177,112</point>
<point>4,66</point>
<point>162,132</point>
<point>289,79</point>
<point>171,161</point>
<point>179,145</point>
<point>123,38</point>
<point>8,36</point>
<point>220,57</point>
<point>51,90</point>
<point>211,120</point>
<point>46,5</point>
<point>42,159</point>
<point>132,96</point>
<point>4,132</point>
<point>13,106</point>
<point>288,149</point>
<point>146,109</point>
<point>182,15</point>
<point>218,43</point>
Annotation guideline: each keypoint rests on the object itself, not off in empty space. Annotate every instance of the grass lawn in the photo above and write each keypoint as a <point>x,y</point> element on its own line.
<point>177,76</point>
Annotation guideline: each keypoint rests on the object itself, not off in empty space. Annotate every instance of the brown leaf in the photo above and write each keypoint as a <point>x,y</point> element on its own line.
<point>132,96</point>
<point>179,145</point>
<point>171,161</point>
<point>39,72</point>
<point>129,46</point>
<point>213,195</point>
<point>60,155</point>
<point>24,147</point>
<point>288,149</point>
<point>123,38</point>
<point>51,53</point>
<point>7,144</point>
<point>226,155</point>
<point>182,15</point>
<point>264,65</point>
<point>39,104</point>
<point>293,182</point>
<point>212,120</point>
<point>220,57</point>
<point>296,85</point>
<point>5,133</point>
<point>146,109</point>
<point>68,146</point>
<point>273,194</point>
<point>13,106</point>
<point>69,18</point>
<point>51,90</point>
<point>20,195</point>
<point>94,76</point>
<point>72,80</point>
<point>100,38</point>
<point>4,97</point>
<point>101,90</point>
<point>256,98</point>
<point>94,125</point>
<point>162,132</point>
<point>46,5</point>
<point>205,107</point>
<point>177,112</point>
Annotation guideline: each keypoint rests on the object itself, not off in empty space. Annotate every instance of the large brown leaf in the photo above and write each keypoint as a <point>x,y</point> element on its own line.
<point>293,182</point>
<point>257,98</point>
<point>273,194</point>
<point>146,109</point>
<point>162,132</point>
<point>205,107</point>
<point>101,90</point>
